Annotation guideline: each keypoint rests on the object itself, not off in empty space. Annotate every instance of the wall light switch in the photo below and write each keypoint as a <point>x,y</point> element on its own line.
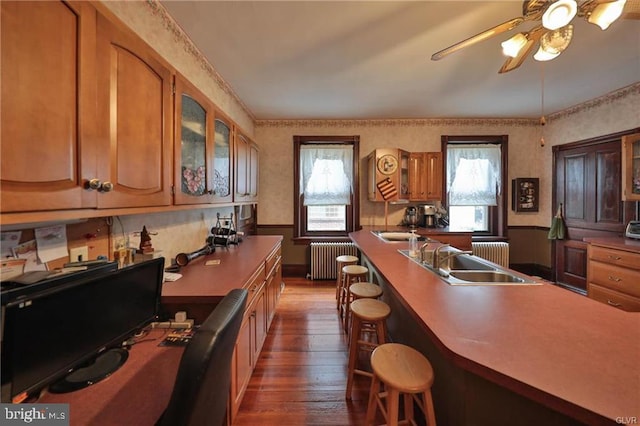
<point>79,254</point>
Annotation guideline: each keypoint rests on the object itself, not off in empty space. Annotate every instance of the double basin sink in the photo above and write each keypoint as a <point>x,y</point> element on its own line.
<point>458,268</point>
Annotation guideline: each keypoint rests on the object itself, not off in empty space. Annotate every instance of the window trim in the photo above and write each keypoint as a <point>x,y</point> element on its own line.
<point>300,233</point>
<point>497,215</point>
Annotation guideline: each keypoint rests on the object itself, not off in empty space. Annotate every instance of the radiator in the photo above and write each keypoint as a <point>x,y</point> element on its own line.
<point>323,258</point>
<point>496,252</point>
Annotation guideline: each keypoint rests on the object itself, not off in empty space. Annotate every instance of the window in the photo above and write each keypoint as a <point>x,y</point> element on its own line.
<point>475,187</point>
<point>326,186</point>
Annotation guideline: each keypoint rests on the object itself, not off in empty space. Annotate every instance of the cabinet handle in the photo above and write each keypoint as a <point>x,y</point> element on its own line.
<point>94,184</point>
<point>612,257</point>
<point>211,192</point>
<point>617,305</point>
<point>615,279</point>
<point>106,187</point>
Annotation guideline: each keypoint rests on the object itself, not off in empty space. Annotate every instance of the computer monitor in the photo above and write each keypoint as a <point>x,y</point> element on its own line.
<point>70,335</point>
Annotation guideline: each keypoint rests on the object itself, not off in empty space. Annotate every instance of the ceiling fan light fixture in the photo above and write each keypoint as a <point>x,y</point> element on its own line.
<point>605,14</point>
<point>513,46</point>
<point>557,40</point>
<point>559,14</point>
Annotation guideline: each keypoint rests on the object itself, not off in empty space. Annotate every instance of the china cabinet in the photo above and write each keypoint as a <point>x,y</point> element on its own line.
<point>631,167</point>
<point>193,148</point>
<point>222,161</point>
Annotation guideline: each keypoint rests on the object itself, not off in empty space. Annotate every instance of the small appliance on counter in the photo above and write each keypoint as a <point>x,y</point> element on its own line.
<point>411,218</point>
<point>428,219</point>
<point>633,229</point>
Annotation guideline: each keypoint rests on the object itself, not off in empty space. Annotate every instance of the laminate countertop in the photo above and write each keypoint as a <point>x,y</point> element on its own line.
<point>566,351</point>
<point>209,278</point>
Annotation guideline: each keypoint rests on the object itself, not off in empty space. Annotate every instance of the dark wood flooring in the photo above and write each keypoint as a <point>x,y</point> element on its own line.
<point>300,378</point>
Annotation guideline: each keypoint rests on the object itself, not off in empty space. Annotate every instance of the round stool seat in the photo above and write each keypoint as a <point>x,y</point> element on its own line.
<point>346,258</point>
<point>354,270</point>
<point>402,367</point>
<point>364,290</point>
<point>370,309</point>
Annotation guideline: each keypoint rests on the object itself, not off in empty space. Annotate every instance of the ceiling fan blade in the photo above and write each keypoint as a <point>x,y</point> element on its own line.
<point>498,29</point>
<point>532,39</point>
<point>631,9</point>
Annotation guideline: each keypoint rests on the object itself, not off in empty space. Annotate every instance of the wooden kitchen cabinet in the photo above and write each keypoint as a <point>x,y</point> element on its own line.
<point>222,162</point>
<point>194,146</point>
<point>425,176</point>
<point>631,167</point>
<point>246,171</point>
<point>48,105</point>
<point>614,277</point>
<point>391,165</point>
<point>134,120</point>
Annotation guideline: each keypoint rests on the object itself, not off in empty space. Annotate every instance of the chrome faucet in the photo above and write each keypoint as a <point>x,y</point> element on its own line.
<point>436,261</point>
<point>422,250</point>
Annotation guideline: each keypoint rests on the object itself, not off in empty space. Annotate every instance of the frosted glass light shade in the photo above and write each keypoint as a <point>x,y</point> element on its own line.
<point>605,14</point>
<point>542,55</point>
<point>513,46</point>
<point>559,14</point>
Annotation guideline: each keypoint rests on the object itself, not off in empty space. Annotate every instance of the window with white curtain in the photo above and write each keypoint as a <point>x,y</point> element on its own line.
<point>474,182</point>
<point>325,185</point>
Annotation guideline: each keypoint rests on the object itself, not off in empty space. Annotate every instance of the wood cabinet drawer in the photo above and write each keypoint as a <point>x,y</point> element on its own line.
<point>272,259</point>
<point>254,284</point>
<point>614,277</point>
<point>615,257</point>
<point>614,298</point>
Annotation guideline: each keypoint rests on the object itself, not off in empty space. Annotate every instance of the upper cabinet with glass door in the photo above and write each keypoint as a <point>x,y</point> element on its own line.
<point>631,167</point>
<point>194,147</point>
<point>222,161</point>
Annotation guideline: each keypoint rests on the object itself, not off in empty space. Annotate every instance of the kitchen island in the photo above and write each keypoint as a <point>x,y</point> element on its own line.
<point>514,354</point>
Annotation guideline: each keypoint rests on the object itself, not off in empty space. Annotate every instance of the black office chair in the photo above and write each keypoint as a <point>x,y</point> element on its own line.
<point>201,390</point>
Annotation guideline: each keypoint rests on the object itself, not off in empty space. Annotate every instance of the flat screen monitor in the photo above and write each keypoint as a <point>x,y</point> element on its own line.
<point>64,337</point>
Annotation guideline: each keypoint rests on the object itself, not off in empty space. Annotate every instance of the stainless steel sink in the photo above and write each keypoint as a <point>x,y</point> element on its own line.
<point>465,269</point>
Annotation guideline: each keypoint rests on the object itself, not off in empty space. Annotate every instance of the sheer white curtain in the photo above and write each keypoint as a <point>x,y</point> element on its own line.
<point>473,174</point>
<point>326,174</point>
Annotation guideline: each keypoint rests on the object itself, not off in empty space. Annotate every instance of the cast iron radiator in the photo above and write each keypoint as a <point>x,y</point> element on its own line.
<point>496,252</point>
<point>323,258</point>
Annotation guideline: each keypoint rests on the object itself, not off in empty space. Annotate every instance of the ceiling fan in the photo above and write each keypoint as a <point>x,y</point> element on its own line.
<point>554,31</point>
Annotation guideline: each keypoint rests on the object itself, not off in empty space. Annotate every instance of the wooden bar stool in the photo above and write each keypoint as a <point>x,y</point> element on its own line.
<point>360,290</point>
<point>368,321</point>
<point>350,274</point>
<point>404,372</point>
<point>341,262</point>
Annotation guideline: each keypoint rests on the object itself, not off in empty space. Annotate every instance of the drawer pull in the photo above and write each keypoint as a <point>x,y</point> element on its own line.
<point>617,305</point>
<point>612,257</point>
<point>615,279</point>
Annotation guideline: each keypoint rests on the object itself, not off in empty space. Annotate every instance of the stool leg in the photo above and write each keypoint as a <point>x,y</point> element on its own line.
<point>373,400</point>
<point>392,406</point>
<point>408,407</point>
<point>430,413</point>
<point>353,354</point>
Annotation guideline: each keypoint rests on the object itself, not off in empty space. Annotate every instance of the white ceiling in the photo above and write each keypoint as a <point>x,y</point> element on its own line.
<point>371,59</point>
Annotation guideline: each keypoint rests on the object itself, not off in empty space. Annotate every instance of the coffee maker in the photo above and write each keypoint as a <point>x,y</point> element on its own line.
<point>411,217</point>
<point>427,215</point>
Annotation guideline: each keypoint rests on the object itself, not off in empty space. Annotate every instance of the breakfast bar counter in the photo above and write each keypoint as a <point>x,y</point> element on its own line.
<point>511,354</point>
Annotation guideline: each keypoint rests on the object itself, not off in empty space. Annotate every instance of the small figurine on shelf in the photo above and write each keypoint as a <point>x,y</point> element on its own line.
<point>145,241</point>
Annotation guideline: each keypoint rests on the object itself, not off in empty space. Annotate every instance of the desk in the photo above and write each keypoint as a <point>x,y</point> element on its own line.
<point>136,394</point>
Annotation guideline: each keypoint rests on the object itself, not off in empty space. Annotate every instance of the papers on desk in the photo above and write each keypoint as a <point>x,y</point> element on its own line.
<point>171,276</point>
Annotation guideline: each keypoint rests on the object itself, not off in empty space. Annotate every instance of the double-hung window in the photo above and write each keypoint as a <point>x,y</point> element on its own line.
<point>325,186</point>
<point>475,187</point>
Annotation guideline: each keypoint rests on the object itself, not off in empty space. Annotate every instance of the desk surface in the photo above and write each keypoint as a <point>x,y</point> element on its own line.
<point>136,394</point>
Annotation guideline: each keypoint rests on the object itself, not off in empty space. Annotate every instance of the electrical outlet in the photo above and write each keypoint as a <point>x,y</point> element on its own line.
<point>79,254</point>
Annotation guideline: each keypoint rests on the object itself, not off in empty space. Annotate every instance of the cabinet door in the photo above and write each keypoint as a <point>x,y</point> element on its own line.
<point>242,366</point>
<point>434,175</point>
<point>246,171</point>
<point>631,167</point>
<point>48,105</point>
<point>261,320</point>
<point>222,160</point>
<point>193,150</point>
<point>135,119</point>
<point>417,176</point>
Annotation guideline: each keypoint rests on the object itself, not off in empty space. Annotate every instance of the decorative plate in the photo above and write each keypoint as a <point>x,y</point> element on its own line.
<point>387,164</point>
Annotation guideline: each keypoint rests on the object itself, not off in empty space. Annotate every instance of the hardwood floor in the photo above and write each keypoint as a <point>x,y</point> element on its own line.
<point>300,378</point>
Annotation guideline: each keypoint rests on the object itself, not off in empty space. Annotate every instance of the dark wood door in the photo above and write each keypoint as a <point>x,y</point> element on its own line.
<point>587,178</point>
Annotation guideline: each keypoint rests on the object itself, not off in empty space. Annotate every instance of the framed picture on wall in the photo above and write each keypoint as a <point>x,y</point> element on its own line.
<point>525,196</point>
